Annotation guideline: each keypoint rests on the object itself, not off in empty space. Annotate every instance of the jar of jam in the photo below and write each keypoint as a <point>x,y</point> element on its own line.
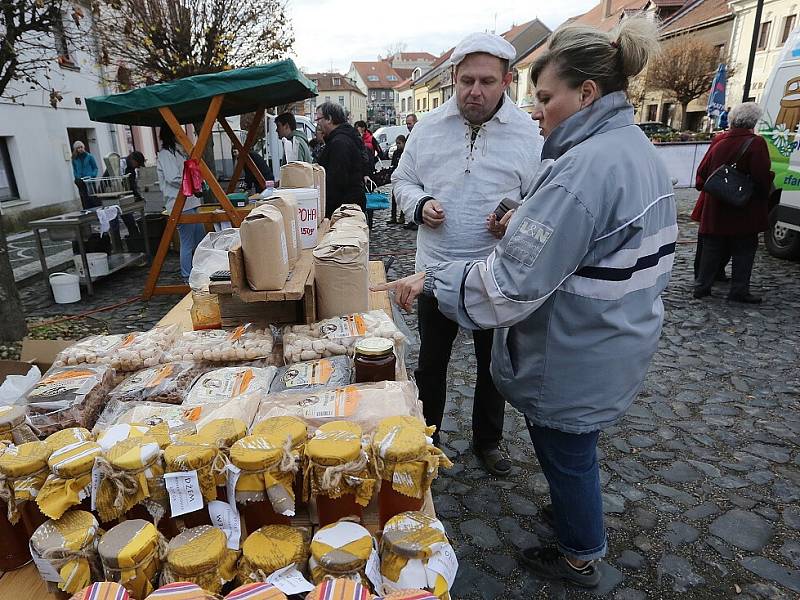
<point>69,483</point>
<point>24,469</point>
<point>375,360</point>
<point>191,454</point>
<point>271,549</point>
<point>205,311</point>
<point>340,550</point>
<point>14,552</point>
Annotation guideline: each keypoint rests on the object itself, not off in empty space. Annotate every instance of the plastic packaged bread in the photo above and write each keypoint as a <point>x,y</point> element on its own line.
<point>124,352</point>
<point>246,342</point>
<point>337,336</point>
<point>178,420</point>
<point>69,397</point>
<point>366,404</point>
<point>313,375</point>
<point>222,385</point>
<point>168,383</point>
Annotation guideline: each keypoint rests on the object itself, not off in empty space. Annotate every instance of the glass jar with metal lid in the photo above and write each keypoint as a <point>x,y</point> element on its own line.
<point>256,591</point>
<point>375,360</point>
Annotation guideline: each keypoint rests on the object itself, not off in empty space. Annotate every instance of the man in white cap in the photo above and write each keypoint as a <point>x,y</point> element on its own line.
<point>464,158</point>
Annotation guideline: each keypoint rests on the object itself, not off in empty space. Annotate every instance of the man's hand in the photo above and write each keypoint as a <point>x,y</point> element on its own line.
<point>432,214</point>
<point>498,227</point>
<point>405,290</point>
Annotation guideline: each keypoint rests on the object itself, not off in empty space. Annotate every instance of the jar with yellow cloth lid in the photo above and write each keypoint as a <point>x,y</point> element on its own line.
<point>407,462</point>
<point>23,471</point>
<point>341,589</point>
<point>102,590</point>
<point>223,433</point>
<point>131,555</point>
<point>341,550</point>
<point>120,432</point>
<point>65,551</point>
<point>193,454</point>
<point>14,536</point>
<point>338,472</point>
<point>297,430</point>
<point>256,591</point>
<point>415,553</point>
<point>270,549</point>
<point>169,431</point>
<point>181,590</point>
<point>200,555</point>
<point>265,487</point>
<point>69,482</point>
<point>67,437</point>
<point>15,426</point>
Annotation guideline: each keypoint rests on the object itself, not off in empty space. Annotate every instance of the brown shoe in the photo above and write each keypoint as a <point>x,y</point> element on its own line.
<point>494,460</point>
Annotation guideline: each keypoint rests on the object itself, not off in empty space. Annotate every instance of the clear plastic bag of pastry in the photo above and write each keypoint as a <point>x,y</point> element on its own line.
<point>222,385</point>
<point>168,383</point>
<point>365,404</point>
<point>124,352</point>
<point>313,375</point>
<point>69,397</point>
<point>337,336</point>
<point>247,342</point>
<point>171,421</point>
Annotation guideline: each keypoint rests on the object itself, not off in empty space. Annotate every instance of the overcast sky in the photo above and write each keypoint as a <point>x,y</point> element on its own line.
<point>332,33</point>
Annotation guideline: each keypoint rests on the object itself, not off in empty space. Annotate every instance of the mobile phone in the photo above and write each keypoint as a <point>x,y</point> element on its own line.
<point>506,204</point>
<point>220,275</point>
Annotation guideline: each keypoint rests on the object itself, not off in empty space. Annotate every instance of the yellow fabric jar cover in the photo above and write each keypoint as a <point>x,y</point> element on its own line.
<point>191,454</point>
<point>200,555</point>
<point>131,555</point>
<point>409,541</point>
<point>23,471</point>
<point>171,431</point>
<point>292,427</point>
<point>69,544</point>
<point>267,471</point>
<point>224,432</point>
<point>339,549</point>
<point>337,464</point>
<point>130,472</point>
<point>14,425</point>
<point>269,549</point>
<point>404,456</point>
<point>340,589</point>
<point>67,437</point>
<point>119,433</point>
<point>69,479</point>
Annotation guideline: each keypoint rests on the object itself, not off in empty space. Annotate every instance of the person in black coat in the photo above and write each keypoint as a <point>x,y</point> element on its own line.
<point>344,157</point>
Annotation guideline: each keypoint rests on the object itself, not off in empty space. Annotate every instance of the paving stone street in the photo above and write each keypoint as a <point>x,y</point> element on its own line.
<point>701,478</point>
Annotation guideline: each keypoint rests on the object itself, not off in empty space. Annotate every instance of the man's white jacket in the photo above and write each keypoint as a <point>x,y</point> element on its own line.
<point>468,179</point>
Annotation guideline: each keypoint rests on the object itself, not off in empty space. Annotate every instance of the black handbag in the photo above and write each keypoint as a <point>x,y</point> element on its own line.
<point>730,185</point>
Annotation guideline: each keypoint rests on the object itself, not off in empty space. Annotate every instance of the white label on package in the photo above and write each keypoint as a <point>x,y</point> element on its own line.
<point>227,519</point>
<point>373,568</point>
<point>290,581</point>
<point>284,249</point>
<point>223,384</point>
<point>445,563</point>
<point>184,492</point>
<point>96,479</point>
<point>351,326</point>
<point>336,403</point>
<point>233,478</point>
<point>46,569</point>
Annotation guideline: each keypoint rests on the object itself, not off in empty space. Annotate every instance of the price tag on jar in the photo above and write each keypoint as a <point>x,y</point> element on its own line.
<point>184,492</point>
<point>444,563</point>
<point>290,581</point>
<point>97,478</point>
<point>373,568</point>
<point>227,519</point>
<point>232,480</point>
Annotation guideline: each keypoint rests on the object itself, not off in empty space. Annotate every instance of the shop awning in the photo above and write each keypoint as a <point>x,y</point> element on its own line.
<point>245,90</point>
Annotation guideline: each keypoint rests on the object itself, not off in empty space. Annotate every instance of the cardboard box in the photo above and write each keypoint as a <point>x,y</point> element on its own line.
<point>42,353</point>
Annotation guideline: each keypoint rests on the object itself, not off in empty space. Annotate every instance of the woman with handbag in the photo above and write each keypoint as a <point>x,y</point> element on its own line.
<point>727,229</point>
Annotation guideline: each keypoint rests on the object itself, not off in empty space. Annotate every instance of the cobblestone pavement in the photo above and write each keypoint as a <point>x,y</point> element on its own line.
<point>701,478</point>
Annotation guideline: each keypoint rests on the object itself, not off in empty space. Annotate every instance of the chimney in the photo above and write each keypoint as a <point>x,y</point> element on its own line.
<point>607,8</point>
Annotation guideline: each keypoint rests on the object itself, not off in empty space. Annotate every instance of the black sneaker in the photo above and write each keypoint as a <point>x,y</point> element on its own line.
<point>494,460</point>
<point>549,563</point>
<point>745,299</point>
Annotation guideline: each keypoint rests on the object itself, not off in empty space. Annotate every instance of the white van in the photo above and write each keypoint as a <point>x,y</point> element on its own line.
<point>780,128</point>
<point>386,136</point>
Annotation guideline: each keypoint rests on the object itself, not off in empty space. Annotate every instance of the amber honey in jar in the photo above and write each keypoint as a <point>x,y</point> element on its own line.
<point>375,360</point>
<point>205,311</point>
<point>288,427</point>
<point>14,550</point>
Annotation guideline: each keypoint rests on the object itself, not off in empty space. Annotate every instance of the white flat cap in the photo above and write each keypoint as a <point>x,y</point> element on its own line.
<point>486,43</point>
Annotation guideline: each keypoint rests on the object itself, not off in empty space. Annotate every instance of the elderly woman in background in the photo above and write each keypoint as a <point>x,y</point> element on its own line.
<point>727,230</point>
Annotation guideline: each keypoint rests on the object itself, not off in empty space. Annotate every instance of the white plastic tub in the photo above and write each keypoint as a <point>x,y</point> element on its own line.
<point>308,210</point>
<point>98,264</point>
<point>66,287</point>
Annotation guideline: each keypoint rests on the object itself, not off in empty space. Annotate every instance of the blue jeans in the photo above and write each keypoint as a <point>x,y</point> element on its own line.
<point>191,235</point>
<point>569,462</point>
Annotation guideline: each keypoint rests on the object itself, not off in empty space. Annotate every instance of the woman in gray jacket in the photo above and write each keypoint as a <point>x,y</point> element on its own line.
<point>574,287</point>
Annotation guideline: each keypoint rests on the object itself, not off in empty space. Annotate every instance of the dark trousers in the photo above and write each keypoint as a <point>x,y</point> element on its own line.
<point>698,252</point>
<point>569,463</point>
<point>83,191</point>
<point>437,334</point>
<point>394,209</point>
<point>741,249</point>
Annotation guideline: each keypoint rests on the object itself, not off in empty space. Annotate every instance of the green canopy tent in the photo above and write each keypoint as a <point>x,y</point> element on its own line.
<point>206,98</point>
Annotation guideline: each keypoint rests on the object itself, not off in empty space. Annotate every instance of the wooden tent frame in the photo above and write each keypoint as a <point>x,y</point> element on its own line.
<point>195,151</point>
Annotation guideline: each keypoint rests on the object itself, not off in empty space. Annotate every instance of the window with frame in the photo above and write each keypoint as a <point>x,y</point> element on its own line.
<point>435,102</point>
<point>373,78</point>
<point>763,35</point>
<point>652,112</point>
<point>383,94</point>
<point>327,98</point>
<point>62,43</point>
<point>374,95</point>
<point>391,77</point>
<point>8,184</point>
<point>788,25</point>
<point>337,81</point>
<point>424,104</point>
<point>402,105</point>
<point>341,100</point>
<point>418,104</point>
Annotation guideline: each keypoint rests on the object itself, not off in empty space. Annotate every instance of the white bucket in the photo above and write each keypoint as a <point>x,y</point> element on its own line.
<point>98,264</point>
<point>308,208</point>
<point>66,287</point>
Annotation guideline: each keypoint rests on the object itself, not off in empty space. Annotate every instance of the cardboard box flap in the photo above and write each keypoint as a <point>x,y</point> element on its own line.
<point>43,352</point>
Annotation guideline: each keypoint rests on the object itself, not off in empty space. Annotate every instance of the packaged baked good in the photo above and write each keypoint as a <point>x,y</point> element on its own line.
<point>337,336</point>
<point>246,342</point>
<point>69,397</point>
<point>221,385</point>
<point>168,383</point>
<point>365,403</point>
<point>313,375</point>
<point>172,420</point>
<point>124,352</point>
<point>200,555</point>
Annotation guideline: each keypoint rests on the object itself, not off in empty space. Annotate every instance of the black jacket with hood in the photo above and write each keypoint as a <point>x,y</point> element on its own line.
<point>343,160</point>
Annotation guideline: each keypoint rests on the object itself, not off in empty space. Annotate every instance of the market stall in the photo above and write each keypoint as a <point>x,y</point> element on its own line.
<point>207,99</point>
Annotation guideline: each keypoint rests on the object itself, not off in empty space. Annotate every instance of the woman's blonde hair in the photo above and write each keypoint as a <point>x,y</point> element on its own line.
<point>581,53</point>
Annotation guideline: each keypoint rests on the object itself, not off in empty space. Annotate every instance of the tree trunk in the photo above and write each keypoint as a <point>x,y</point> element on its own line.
<point>684,114</point>
<point>12,316</point>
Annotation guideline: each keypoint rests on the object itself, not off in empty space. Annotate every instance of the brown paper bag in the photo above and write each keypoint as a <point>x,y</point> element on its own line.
<point>341,274</point>
<point>266,255</point>
<point>297,175</point>
<point>319,183</point>
<point>291,225</point>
